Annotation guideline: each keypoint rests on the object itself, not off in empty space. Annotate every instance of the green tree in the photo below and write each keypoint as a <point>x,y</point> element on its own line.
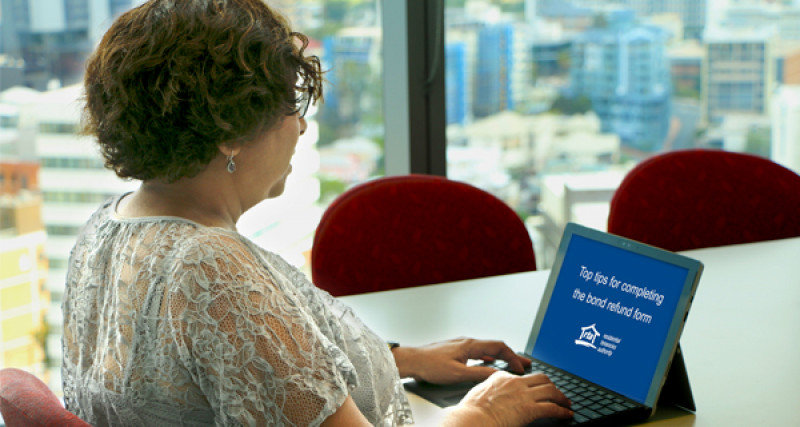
<point>330,188</point>
<point>570,106</point>
<point>759,141</point>
<point>564,60</point>
<point>600,21</point>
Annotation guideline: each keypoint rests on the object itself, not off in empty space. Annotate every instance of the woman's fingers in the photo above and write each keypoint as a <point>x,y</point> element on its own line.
<point>547,410</point>
<point>517,400</point>
<point>488,350</point>
<point>547,392</point>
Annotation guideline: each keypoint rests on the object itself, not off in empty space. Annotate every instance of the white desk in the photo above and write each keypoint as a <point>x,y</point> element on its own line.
<point>741,343</point>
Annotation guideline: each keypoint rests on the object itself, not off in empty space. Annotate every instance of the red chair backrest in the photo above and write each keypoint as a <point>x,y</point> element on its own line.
<point>27,401</point>
<point>404,231</point>
<point>693,199</point>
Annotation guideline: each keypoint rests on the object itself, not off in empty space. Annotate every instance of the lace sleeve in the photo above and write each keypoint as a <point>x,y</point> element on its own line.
<point>250,345</point>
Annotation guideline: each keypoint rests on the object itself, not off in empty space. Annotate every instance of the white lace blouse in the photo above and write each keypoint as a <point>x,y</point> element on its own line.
<point>168,322</point>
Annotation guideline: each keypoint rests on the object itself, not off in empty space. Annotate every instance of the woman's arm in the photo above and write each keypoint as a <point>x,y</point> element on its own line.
<point>347,415</point>
<point>252,349</point>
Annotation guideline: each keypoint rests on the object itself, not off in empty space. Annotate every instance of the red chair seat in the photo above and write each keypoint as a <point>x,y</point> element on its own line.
<point>26,401</point>
<point>705,198</point>
<point>404,231</point>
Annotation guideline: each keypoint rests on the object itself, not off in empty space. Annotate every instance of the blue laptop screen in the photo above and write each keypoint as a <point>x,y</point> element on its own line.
<point>609,315</point>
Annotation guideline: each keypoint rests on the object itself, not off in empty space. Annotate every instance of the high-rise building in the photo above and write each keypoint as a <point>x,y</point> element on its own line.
<point>738,76</point>
<point>785,148</point>
<point>785,55</point>
<point>785,19</point>
<point>691,12</point>
<point>54,37</point>
<point>623,69</point>
<point>495,65</point>
<point>302,15</point>
<point>502,69</point>
<point>686,63</point>
<point>24,300</point>
<point>353,58</point>
<point>791,68</point>
<point>551,57</point>
<point>72,182</point>
<point>561,10</point>
<point>456,83</point>
<point>12,71</point>
<point>461,51</point>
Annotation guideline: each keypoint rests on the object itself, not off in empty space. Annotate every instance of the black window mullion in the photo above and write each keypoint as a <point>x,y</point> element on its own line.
<point>413,50</point>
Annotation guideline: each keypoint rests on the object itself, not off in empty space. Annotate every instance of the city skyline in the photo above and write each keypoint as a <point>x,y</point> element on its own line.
<point>512,129</point>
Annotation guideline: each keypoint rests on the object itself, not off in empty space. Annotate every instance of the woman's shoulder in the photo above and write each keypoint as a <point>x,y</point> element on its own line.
<point>219,255</point>
<point>199,242</point>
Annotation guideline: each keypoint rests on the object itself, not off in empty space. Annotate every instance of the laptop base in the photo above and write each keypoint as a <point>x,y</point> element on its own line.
<point>677,392</point>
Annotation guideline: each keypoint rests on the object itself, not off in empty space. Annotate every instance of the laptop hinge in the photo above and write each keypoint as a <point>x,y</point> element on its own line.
<point>677,391</point>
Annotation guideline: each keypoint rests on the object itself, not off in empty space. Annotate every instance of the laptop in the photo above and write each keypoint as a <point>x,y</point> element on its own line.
<point>607,329</point>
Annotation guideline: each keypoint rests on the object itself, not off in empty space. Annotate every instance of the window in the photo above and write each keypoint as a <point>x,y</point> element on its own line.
<point>58,128</point>
<point>76,197</point>
<point>62,230</point>
<point>71,163</point>
<point>8,122</point>
<point>343,145</point>
<point>623,89</point>
<point>522,98</point>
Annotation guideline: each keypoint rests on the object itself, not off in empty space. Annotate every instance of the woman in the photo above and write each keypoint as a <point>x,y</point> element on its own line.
<point>173,318</point>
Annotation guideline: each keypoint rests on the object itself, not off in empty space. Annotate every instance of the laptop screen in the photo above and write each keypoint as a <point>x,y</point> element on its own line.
<point>613,311</point>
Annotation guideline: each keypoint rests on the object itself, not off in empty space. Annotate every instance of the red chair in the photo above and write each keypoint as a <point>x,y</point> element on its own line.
<point>26,401</point>
<point>405,231</point>
<point>704,198</point>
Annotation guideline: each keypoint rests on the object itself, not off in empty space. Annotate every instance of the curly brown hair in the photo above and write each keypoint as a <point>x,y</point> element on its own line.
<point>172,80</point>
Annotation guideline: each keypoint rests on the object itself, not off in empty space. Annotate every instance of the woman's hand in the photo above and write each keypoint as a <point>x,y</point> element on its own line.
<point>445,362</point>
<point>506,400</point>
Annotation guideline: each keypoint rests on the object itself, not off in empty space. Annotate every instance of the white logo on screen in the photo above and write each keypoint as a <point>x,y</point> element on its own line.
<point>588,335</point>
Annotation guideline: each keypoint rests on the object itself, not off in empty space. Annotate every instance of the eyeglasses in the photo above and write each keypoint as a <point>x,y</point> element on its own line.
<point>303,101</point>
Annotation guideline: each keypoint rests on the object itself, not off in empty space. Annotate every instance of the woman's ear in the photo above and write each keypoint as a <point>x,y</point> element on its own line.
<point>229,150</point>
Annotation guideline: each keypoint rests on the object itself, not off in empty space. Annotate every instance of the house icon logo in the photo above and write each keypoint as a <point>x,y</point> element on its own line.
<point>588,335</point>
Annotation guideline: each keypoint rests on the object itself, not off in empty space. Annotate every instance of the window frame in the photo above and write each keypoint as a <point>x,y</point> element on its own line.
<point>414,92</point>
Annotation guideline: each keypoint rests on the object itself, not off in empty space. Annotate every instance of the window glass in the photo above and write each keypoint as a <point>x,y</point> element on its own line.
<point>550,102</point>
<point>344,142</point>
<point>42,52</point>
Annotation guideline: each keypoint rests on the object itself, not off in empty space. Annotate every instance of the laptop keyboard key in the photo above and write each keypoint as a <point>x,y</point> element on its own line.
<point>588,402</point>
<point>500,364</point>
<point>605,411</point>
<point>617,407</point>
<point>580,418</point>
<point>588,413</point>
<point>596,406</point>
<point>594,397</point>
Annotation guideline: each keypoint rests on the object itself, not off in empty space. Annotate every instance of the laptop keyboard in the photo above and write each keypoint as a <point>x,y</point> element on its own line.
<point>588,401</point>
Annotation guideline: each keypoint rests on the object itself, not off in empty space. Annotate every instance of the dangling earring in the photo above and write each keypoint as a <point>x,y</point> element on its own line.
<point>231,165</point>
